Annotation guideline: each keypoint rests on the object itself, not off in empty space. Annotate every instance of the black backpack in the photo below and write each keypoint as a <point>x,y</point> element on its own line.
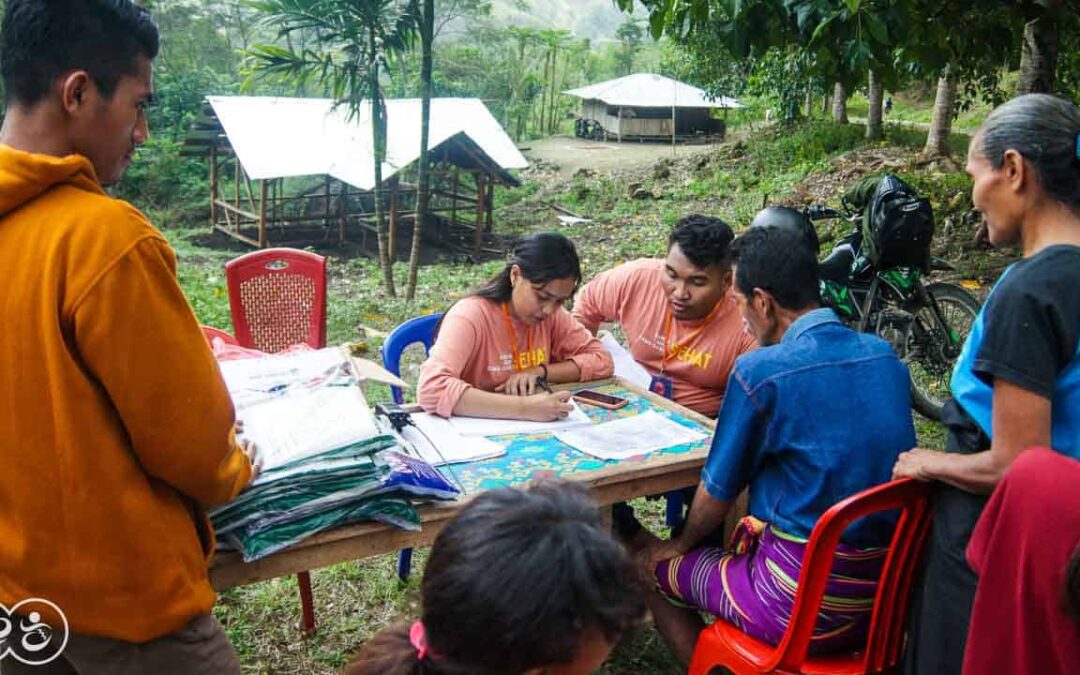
<point>897,226</point>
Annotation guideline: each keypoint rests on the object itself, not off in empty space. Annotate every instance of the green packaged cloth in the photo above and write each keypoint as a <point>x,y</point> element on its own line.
<point>259,539</point>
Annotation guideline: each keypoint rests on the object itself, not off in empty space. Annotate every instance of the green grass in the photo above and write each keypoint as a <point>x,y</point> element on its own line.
<point>919,111</point>
<point>356,599</point>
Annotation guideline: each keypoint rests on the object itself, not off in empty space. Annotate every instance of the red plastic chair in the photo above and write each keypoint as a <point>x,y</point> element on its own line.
<point>210,333</point>
<point>278,299</point>
<point>723,647</point>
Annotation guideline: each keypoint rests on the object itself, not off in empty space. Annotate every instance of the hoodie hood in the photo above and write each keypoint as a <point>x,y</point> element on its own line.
<point>24,176</point>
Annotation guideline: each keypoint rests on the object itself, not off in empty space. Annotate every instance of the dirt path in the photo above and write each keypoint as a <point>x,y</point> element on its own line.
<point>571,154</point>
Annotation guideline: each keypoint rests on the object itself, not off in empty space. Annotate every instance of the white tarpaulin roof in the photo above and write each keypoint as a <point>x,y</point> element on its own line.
<point>646,90</point>
<point>283,137</point>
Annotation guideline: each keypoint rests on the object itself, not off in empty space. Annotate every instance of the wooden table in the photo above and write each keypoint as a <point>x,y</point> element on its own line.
<point>657,474</point>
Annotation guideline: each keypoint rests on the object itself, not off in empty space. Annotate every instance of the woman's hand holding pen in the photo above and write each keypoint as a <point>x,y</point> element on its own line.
<point>537,401</point>
<point>545,407</point>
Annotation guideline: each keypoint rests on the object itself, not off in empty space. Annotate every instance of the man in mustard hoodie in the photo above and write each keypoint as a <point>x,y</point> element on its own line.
<point>116,430</point>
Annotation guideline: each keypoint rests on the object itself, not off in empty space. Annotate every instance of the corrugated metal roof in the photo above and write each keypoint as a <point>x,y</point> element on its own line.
<point>282,137</point>
<point>647,90</point>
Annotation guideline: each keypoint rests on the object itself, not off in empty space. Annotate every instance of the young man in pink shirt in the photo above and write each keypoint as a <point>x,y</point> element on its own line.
<point>676,313</point>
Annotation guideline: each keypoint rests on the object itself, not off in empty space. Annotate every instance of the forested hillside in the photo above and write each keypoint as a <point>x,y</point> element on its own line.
<point>592,19</point>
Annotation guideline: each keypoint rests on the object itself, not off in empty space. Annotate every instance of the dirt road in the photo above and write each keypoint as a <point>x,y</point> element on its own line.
<point>571,154</point>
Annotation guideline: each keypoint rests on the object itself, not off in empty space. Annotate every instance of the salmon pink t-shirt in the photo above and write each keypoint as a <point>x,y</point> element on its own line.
<point>475,348</point>
<point>633,296</point>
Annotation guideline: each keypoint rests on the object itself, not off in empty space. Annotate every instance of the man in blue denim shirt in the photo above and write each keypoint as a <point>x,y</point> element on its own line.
<point>818,414</point>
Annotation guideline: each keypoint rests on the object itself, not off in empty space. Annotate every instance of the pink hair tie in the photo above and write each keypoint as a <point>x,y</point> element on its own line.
<point>418,638</point>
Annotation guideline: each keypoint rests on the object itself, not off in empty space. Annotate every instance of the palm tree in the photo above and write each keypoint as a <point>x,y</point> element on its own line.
<point>874,129</point>
<point>349,42</point>
<point>1039,51</point>
<point>427,38</point>
<point>947,40</point>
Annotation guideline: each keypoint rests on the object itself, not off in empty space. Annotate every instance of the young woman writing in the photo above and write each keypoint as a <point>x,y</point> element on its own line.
<point>496,347</point>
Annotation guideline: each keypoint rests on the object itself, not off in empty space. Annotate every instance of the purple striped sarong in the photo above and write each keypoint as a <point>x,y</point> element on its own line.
<point>753,586</point>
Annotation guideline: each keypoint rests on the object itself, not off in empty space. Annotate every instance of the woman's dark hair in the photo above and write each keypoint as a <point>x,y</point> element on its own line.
<point>1071,595</point>
<point>541,257</point>
<point>704,240</point>
<point>512,584</point>
<point>777,260</point>
<point>42,39</point>
<point>1045,130</point>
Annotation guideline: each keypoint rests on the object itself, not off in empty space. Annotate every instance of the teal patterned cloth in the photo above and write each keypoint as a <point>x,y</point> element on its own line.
<point>538,456</point>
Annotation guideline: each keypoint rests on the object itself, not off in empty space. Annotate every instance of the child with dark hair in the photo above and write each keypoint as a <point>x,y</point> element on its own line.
<point>495,344</point>
<point>520,582</point>
<point>111,404</point>
<point>676,313</point>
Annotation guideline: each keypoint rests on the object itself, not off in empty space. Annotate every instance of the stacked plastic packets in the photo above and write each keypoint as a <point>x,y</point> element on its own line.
<point>327,462</point>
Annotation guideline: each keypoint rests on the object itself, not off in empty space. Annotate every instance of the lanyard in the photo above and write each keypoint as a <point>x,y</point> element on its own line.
<point>519,363</point>
<point>669,348</point>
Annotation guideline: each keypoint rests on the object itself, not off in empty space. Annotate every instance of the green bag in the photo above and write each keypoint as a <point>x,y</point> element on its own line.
<point>857,197</point>
<point>897,224</point>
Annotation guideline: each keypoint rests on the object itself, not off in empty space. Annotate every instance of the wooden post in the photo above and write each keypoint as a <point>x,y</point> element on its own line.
<point>479,232</point>
<point>236,175</point>
<point>278,213</point>
<point>326,194</point>
<point>674,101</point>
<point>262,214</point>
<point>489,224</point>
<point>619,130</point>
<point>213,185</point>
<point>343,213</point>
<point>453,200</point>
<point>392,245</point>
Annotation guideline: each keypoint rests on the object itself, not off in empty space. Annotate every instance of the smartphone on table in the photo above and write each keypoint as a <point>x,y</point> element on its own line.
<point>601,400</point>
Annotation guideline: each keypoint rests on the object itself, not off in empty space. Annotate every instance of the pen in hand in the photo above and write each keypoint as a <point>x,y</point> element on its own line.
<point>543,384</point>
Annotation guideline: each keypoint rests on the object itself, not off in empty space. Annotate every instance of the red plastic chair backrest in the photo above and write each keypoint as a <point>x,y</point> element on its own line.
<point>278,299</point>
<point>209,332</point>
<point>890,605</point>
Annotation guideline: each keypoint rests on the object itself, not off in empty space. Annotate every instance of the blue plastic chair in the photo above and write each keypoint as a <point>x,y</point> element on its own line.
<point>674,510</point>
<point>418,329</point>
<point>676,502</point>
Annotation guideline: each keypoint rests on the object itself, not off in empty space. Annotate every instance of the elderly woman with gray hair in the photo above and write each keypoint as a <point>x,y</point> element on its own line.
<point>1017,383</point>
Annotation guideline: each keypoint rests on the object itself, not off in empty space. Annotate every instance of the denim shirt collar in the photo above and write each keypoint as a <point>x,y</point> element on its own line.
<point>809,321</point>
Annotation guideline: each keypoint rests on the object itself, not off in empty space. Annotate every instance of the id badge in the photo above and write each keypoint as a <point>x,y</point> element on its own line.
<point>664,386</point>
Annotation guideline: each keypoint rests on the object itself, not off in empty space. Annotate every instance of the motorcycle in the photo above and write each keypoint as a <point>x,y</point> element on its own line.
<point>927,323</point>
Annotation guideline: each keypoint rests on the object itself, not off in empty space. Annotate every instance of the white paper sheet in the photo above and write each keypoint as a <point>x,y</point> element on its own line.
<point>479,426</point>
<point>302,423</point>
<point>450,446</point>
<point>253,381</point>
<point>630,436</point>
<point>625,366</point>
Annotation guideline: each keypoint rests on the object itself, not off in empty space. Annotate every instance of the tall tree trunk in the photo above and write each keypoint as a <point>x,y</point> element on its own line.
<point>551,104</point>
<point>560,82</point>
<point>543,100</point>
<point>826,100</point>
<point>839,108</point>
<point>1038,56</point>
<point>519,130</point>
<point>549,78</point>
<point>874,129</point>
<point>809,103</point>
<point>378,139</point>
<point>427,37</point>
<point>937,141</point>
